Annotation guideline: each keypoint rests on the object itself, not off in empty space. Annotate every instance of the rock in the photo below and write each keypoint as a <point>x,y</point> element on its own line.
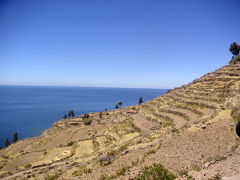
<point>212,162</point>
<point>207,165</point>
<point>124,152</point>
<point>74,164</point>
<point>203,126</point>
<point>154,128</point>
<point>114,121</point>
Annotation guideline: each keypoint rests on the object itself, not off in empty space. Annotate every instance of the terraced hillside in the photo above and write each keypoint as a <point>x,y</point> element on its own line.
<point>189,130</point>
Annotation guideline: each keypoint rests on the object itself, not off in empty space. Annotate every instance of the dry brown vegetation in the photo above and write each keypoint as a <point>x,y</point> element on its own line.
<point>189,131</point>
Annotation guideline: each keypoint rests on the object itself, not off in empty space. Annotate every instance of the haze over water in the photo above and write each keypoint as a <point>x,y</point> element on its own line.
<point>29,110</point>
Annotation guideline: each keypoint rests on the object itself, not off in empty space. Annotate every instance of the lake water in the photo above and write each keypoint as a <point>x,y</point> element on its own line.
<point>29,110</point>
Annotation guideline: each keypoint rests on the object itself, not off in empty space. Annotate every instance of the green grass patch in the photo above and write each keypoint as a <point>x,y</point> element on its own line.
<point>156,171</point>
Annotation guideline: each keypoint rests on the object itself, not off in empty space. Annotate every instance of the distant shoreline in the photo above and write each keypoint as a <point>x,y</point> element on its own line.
<point>29,110</point>
<point>49,86</point>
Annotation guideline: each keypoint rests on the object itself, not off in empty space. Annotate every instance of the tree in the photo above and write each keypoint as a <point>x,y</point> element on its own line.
<point>140,101</point>
<point>71,114</point>
<point>120,103</point>
<point>7,143</point>
<point>116,107</point>
<point>85,116</point>
<point>15,137</point>
<point>234,48</point>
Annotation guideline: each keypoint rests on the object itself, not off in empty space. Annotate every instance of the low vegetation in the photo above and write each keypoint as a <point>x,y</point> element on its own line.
<point>82,170</point>
<point>156,171</point>
<point>87,121</point>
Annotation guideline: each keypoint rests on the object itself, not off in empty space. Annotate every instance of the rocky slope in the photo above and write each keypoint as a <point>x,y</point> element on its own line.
<point>189,130</point>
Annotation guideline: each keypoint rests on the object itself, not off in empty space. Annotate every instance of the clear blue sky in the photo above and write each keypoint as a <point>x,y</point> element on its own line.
<point>114,43</point>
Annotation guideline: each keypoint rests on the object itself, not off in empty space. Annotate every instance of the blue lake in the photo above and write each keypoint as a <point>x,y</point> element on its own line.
<point>29,110</point>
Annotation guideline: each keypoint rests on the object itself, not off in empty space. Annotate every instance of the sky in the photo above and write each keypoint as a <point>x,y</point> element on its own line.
<point>120,43</point>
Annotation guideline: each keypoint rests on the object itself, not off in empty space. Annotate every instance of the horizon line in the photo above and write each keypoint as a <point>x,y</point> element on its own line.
<point>82,86</point>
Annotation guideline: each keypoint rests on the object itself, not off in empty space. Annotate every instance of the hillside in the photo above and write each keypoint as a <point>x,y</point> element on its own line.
<point>189,130</point>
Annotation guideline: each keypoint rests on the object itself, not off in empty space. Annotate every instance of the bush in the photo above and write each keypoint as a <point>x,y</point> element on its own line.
<point>82,170</point>
<point>120,103</point>
<point>70,143</point>
<point>156,171</point>
<point>71,113</point>
<point>104,161</point>
<point>87,121</point>
<point>15,137</point>
<point>183,173</point>
<point>85,116</point>
<point>28,166</point>
<point>140,101</point>
<point>122,171</point>
<point>51,177</point>
<point>234,48</point>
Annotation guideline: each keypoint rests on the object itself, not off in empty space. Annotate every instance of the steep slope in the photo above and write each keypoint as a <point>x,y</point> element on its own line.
<point>188,129</point>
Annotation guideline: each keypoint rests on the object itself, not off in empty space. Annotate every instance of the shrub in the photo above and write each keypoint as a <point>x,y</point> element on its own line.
<point>85,116</point>
<point>234,48</point>
<point>140,101</point>
<point>87,121</point>
<point>156,171</point>
<point>71,113</point>
<point>82,170</point>
<point>217,177</point>
<point>51,177</point>
<point>122,171</point>
<point>111,153</point>
<point>70,143</point>
<point>152,151</point>
<point>104,161</point>
<point>15,137</point>
<point>104,177</point>
<point>5,157</point>
<point>28,166</point>
<point>45,153</point>
<point>183,172</point>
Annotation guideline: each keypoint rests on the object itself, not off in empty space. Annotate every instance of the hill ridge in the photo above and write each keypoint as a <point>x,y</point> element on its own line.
<point>183,129</point>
